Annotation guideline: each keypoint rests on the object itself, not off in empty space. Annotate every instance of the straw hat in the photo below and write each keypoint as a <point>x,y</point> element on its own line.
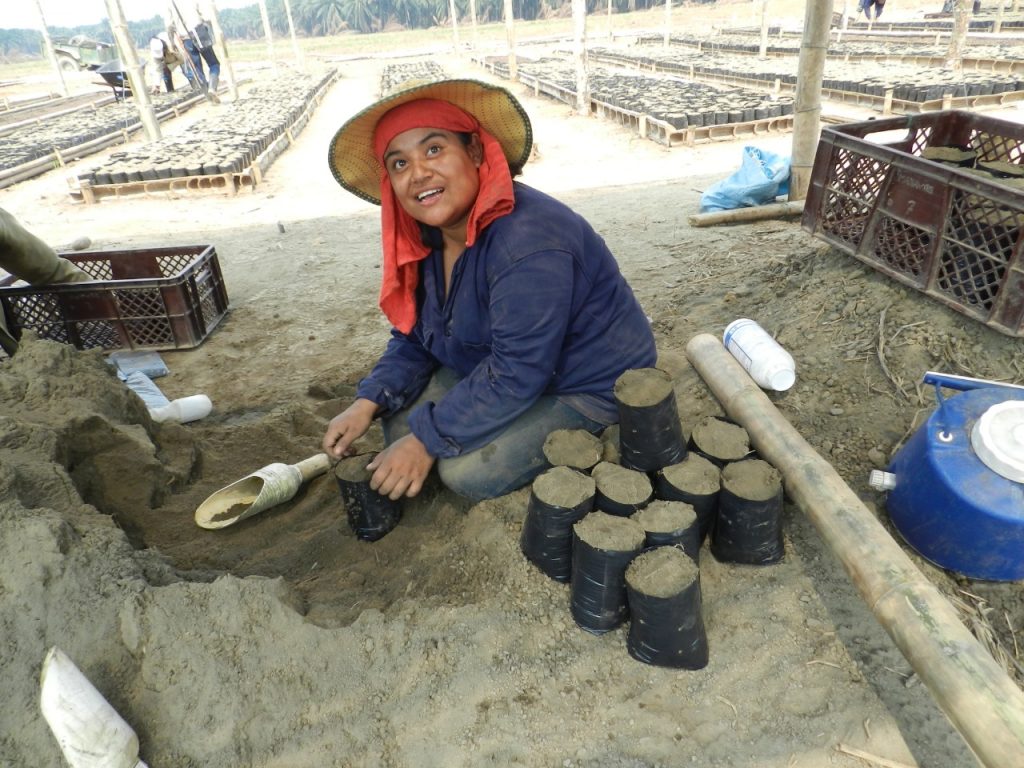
<point>351,156</point>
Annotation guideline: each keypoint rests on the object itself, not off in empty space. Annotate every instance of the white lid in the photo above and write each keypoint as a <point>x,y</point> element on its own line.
<point>998,439</point>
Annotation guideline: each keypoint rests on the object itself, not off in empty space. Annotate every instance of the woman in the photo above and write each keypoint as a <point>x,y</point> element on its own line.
<point>511,318</point>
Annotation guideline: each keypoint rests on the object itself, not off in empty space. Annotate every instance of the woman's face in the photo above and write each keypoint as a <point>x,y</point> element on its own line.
<point>435,176</point>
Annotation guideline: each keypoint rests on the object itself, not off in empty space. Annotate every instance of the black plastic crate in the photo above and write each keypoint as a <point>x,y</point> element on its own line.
<point>947,231</point>
<point>149,298</point>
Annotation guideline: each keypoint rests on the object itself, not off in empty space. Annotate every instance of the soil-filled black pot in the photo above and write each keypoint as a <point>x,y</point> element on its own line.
<point>602,547</point>
<point>666,625</point>
<point>748,527</point>
<point>559,498</point>
<point>650,433</point>
<point>695,481</point>
<point>370,515</point>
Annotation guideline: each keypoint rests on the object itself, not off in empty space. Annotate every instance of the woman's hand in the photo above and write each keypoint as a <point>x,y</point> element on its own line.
<point>401,468</point>
<point>347,427</point>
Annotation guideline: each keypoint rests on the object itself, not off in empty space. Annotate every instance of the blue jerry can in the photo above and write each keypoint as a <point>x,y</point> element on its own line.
<point>958,497</point>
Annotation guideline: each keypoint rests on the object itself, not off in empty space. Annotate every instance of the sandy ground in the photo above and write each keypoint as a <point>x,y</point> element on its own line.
<point>284,641</point>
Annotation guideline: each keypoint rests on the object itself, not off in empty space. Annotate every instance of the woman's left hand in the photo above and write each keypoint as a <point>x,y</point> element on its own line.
<point>401,468</point>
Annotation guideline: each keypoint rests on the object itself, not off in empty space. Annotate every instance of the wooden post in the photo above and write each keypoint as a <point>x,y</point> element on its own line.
<point>48,48</point>
<point>977,696</point>
<point>472,20</point>
<point>887,101</point>
<point>453,12</point>
<point>998,26</point>
<point>510,34</point>
<point>579,54</point>
<point>268,33</point>
<point>807,107</point>
<point>961,20</point>
<point>130,63</point>
<point>668,22</point>
<point>291,31</point>
<point>764,30</point>
<point>610,35</point>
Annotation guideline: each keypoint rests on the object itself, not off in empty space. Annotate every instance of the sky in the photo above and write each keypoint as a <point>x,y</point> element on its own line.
<point>23,14</point>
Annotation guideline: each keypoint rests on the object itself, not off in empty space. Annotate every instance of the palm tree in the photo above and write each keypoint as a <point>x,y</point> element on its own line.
<point>358,14</point>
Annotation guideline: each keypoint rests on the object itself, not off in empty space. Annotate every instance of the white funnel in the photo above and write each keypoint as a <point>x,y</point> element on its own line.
<point>89,731</point>
<point>267,487</point>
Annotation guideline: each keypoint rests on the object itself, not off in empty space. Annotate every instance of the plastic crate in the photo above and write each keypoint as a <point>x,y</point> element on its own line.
<point>952,234</point>
<point>149,298</point>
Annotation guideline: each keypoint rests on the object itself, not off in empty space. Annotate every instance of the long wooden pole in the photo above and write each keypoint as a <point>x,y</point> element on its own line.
<point>510,34</point>
<point>807,107</point>
<point>978,697</point>
<point>265,18</point>
<point>291,32</point>
<point>48,45</point>
<point>579,55</point>
<point>130,63</point>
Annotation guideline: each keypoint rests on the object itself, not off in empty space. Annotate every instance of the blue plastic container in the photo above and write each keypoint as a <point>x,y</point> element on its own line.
<point>948,504</point>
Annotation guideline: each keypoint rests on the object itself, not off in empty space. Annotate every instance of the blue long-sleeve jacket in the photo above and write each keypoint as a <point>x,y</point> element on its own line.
<point>536,306</point>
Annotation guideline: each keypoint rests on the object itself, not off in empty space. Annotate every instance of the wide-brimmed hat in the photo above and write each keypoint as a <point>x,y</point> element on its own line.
<point>358,170</point>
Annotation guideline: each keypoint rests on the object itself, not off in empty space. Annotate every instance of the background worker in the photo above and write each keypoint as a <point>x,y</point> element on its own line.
<point>199,44</point>
<point>28,258</point>
<point>511,317</point>
<point>163,59</point>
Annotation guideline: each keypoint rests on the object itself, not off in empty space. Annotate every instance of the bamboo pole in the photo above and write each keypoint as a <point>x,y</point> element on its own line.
<point>50,54</point>
<point>130,62</point>
<point>265,18</point>
<point>579,55</point>
<point>751,213</point>
<point>981,701</point>
<point>291,31</point>
<point>510,35</point>
<point>472,18</point>
<point>807,107</point>
<point>763,49</point>
<point>453,12</point>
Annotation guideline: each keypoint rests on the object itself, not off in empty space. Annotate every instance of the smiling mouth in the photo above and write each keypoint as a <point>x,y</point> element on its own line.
<point>429,193</point>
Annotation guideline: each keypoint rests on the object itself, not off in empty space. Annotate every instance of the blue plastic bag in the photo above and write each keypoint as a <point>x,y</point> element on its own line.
<point>762,177</point>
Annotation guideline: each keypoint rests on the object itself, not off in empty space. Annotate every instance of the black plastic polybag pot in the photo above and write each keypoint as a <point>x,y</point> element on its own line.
<point>620,491</point>
<point>719,440</point>
<point>748,527</point>
<point>602,547</point>
<point>671,523</point>
<point>650,433</point>
<point>666,626</point>
<point>370,515</point>
<point>559,498</point>
<point>695,481</point>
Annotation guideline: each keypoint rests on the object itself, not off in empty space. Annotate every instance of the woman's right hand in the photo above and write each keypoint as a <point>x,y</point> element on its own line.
<point>347,427</point>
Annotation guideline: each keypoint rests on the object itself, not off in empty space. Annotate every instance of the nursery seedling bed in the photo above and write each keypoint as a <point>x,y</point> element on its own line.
<point>57,140</point>
<point>243,148</point>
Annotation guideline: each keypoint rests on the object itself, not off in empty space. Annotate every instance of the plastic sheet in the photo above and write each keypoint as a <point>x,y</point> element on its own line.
<point>667,630</point>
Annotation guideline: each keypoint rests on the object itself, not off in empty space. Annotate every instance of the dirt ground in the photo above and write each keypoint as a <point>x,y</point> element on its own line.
<point>283,641</point>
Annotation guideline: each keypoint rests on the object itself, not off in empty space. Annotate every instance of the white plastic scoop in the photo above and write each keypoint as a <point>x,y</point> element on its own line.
<point>265,488</point>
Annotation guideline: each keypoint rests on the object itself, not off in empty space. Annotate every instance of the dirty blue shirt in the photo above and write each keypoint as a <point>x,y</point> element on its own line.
<point>537,306</point>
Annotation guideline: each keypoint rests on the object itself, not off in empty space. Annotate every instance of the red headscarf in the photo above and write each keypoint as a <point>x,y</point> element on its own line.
<point>403,244</point>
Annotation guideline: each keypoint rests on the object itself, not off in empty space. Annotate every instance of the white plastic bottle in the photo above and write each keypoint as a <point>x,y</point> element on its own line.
<point>768,364</point>
<point>184,409</point>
